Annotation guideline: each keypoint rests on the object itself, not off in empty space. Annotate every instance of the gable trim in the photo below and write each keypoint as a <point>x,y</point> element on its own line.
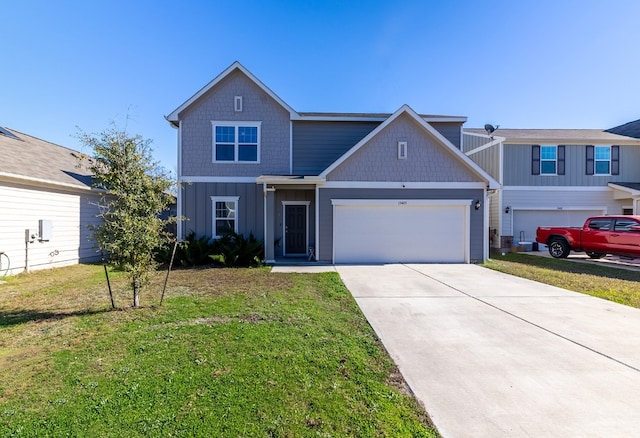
<point>406,109</point>
<point>401,185</point>
<point>173,117</point>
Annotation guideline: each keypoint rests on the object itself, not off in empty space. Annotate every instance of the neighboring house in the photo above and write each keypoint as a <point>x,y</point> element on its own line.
<point>46,204</point>
<point>631,129</point>
<point>554,177</point>
<point>342,188</point>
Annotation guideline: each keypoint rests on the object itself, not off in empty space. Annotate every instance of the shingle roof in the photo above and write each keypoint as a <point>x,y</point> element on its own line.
<point>38,161</point>
<point>558,136</point>
<point>631,129</point>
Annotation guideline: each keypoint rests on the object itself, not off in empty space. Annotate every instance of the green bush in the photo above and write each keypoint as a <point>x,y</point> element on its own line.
<point>234,249</point>
<point>191,251</point>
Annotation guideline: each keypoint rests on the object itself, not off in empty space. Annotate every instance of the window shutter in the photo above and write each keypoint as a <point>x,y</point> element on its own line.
<point>535,159</point>
<point>590,160</point>
<point>560,159</point>
<point>615,160</point>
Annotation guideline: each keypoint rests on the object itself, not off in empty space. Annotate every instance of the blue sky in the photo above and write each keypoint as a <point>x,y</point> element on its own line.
<point>519,64</point>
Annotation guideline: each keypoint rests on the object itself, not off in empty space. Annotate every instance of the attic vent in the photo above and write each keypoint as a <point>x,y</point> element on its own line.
<point>237,104</point>
<point>402,150</point>
<point>8,133</point>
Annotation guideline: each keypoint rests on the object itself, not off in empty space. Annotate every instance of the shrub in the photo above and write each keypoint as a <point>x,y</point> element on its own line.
<point>234,249</point>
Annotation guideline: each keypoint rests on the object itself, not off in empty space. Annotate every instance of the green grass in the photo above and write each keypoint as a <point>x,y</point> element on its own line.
<point>232,352</point>
<point>614,284</point>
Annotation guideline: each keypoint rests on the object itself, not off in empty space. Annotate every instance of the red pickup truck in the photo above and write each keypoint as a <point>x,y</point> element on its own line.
<point>599,236</point>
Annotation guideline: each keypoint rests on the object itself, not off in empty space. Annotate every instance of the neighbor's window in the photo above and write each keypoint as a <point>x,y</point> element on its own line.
<point>548,157</point>
<point>236,143</point>
<point>225,215</point>
<point>602,160</point>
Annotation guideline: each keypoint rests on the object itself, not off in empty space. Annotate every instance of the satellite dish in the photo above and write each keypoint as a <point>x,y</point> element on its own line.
<point>490,128</point>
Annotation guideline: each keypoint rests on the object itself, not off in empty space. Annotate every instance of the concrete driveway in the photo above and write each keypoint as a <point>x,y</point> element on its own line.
<point>491,355</point>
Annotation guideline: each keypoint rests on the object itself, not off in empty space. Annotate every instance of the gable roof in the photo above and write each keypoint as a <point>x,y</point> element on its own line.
<point>31,160</point>
<point>173,117</point>
<point>631,129</point>
<point>406,109</point>
<point>557,136</point>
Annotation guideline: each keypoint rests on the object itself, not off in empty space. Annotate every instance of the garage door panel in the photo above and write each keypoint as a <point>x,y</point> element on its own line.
<point>400,233</point>
<point>525,222</point>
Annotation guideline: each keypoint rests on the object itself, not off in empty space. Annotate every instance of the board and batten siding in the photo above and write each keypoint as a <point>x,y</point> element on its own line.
<point>427,159</point>
<point>70,212</point>
<point>325,219</point>
<point>197,207</point>
<point>517,168</point>
<point>317,144</point>
<point>218,105</point>
<point>489,160</point>
<point>473,141</point>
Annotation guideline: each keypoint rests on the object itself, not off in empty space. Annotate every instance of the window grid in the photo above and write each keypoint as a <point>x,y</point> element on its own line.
<point>225,217</point>
<point>548,160</point>
<point>236,143</point>
<point>602,160</point>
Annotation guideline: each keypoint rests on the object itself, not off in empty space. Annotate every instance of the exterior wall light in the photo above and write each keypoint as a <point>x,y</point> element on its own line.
<point>477,205</point>
<point>507,209</point>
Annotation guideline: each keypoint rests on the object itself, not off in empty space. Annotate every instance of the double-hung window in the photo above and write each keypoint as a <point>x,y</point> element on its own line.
<point>548,157</point>
<point>547,160</point>
<point>225,215</point>
<point>236,142</point>
<point>603,160</point>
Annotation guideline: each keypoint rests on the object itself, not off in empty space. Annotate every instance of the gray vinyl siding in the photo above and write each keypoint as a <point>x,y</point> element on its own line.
<point>317,144</point>
<point>517,168</point>
<point>489,160</point>
<point>197,207</point>
<point>452,131</point>
<point>218,105</point>
<point>474,141</point>
<point>427,158</point>
<point>326,212</point>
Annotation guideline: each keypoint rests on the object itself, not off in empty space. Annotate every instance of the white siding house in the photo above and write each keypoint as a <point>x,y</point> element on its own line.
<point>46,205</point>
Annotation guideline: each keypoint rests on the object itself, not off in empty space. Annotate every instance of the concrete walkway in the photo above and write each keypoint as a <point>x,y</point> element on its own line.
<point>492,355</point>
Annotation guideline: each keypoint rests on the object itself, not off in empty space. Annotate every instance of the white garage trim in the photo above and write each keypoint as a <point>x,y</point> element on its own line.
<point>446,239</point>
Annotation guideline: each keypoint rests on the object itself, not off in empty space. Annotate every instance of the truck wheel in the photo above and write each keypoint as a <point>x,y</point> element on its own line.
<point>595,255</point>
<point>559,249</point>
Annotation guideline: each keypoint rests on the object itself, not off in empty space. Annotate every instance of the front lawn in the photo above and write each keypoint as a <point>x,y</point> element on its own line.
<point>614,284</point>
<point>232,352</point>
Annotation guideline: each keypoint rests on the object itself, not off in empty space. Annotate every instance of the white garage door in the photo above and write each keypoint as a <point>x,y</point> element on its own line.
<point>392,231</point>
<point>525,222</point>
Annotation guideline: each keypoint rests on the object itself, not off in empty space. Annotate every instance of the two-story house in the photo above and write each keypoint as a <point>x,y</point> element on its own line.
<point>554,177</point>
<point>340,188</point>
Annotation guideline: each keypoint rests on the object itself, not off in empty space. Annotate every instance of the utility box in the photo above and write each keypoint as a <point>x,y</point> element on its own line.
<point>45,227</point>
<point>30,235</point>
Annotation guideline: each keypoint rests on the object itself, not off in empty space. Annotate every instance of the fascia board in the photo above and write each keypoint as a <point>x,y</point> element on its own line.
<point>569,141</point>
<point>173,116</point>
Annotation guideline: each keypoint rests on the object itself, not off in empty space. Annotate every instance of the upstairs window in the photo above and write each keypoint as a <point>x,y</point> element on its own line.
<point>236,142</point>
<point>547,160</point>
<point>602,160</point>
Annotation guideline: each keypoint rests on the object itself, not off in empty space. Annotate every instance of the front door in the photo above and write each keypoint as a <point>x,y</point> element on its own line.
<point>295,229</point>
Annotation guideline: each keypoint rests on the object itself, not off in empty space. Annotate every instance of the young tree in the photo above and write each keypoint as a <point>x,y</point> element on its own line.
<point>135,192</point>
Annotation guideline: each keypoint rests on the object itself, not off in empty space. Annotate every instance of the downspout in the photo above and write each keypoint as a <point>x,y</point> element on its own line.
<point>180,223</point>
<point>317,250</point>
<point>264,205</point>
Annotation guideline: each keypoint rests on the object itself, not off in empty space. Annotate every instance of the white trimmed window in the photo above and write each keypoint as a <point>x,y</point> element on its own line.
<point>225,215</point>
<point>548,157</point>
<point>236,142</point>
<point>603,160</point>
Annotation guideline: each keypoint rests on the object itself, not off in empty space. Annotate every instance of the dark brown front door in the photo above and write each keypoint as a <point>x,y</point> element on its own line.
<point>295,229</point>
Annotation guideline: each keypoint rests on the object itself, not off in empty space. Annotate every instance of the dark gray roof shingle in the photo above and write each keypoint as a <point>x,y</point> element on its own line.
<point>631,129</point>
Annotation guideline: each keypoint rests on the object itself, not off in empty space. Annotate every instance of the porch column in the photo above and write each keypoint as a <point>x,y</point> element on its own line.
<point>269,228</point>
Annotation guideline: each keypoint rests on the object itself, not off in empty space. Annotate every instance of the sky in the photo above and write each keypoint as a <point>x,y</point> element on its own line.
<point>86,65</point>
